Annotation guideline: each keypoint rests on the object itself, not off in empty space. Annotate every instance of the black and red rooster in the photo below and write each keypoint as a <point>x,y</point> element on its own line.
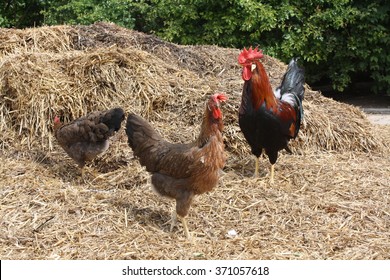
<point>267,118</point>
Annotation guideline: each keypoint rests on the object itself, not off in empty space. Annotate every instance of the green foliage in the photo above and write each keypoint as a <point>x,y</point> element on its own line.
<point>21,13</point>
<point>225,23</point>
<point>122,12</point>
<point>336,39</point>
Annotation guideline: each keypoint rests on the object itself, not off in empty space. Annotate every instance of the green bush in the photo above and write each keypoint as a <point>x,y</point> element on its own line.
<point>89,11</point>
<point>336,39</point>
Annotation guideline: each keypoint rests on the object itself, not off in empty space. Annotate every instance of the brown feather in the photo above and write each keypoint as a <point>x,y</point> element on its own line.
<point>262,92</point>
<point>86,137</point>
<point>180,171</point>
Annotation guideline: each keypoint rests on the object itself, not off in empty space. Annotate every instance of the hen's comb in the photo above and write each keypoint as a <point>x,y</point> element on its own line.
<point>249,54</point>
<point>220,97</point>
<point>56,119</point>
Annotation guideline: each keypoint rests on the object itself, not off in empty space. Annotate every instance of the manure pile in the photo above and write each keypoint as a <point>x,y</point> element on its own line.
<point>330,199</point>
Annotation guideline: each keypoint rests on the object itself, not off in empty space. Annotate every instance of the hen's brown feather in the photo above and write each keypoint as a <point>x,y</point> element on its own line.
<point>180,171</point>
<point>86,137</point>
<point>189,165</point>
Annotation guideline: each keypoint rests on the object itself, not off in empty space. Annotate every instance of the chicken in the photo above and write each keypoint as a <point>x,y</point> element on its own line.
<point>181,171</point>
<point>269,119</point>
<point>86,137</point>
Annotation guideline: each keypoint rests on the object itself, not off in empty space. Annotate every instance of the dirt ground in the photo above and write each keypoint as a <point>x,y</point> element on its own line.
<point>380,119</point>
<point>377,107</point>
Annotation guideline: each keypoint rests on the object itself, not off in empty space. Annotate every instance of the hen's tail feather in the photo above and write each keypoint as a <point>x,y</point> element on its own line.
<point>113,118</point>
<point>130,130</point>
<point>143,140</point>
<point>139,130</point>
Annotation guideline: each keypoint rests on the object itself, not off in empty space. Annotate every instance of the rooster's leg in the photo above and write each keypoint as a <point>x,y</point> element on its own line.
<point>256,174</point>
<point>271,180</point>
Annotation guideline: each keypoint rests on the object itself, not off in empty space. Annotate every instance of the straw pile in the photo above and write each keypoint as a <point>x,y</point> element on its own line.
<point>330,200</point>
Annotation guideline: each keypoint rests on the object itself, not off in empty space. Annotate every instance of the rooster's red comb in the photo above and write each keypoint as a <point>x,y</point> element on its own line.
<point>249,55</point>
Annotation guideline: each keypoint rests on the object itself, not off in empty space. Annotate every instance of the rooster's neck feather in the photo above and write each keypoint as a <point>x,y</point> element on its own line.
<point>261,89</point>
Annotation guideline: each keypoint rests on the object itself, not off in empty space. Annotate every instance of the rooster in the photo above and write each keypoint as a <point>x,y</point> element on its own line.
<point>267,118</point>
<point>86,137</point>
<point>181,171</point>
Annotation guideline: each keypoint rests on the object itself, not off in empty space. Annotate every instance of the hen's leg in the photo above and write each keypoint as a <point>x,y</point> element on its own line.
<point>185,227</point>
<point>183,203</point>
<point>173,219</point>
<point>88,172</point>
<point>82,173</point>
<point>256,174</point>
<point>93,172</point>
<point>173,222</point>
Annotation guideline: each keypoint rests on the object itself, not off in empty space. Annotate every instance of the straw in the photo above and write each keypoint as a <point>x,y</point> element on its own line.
<point>330,199</point>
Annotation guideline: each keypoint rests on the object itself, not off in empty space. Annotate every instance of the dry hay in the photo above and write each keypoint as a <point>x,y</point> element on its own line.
<point>330,200</point>
<point>325,212</point>
<point>110,66</point>
<point>17,41</point>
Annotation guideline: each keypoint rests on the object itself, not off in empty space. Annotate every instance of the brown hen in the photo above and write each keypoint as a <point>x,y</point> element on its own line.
<point>86,137</point>
<point>181,171</point>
